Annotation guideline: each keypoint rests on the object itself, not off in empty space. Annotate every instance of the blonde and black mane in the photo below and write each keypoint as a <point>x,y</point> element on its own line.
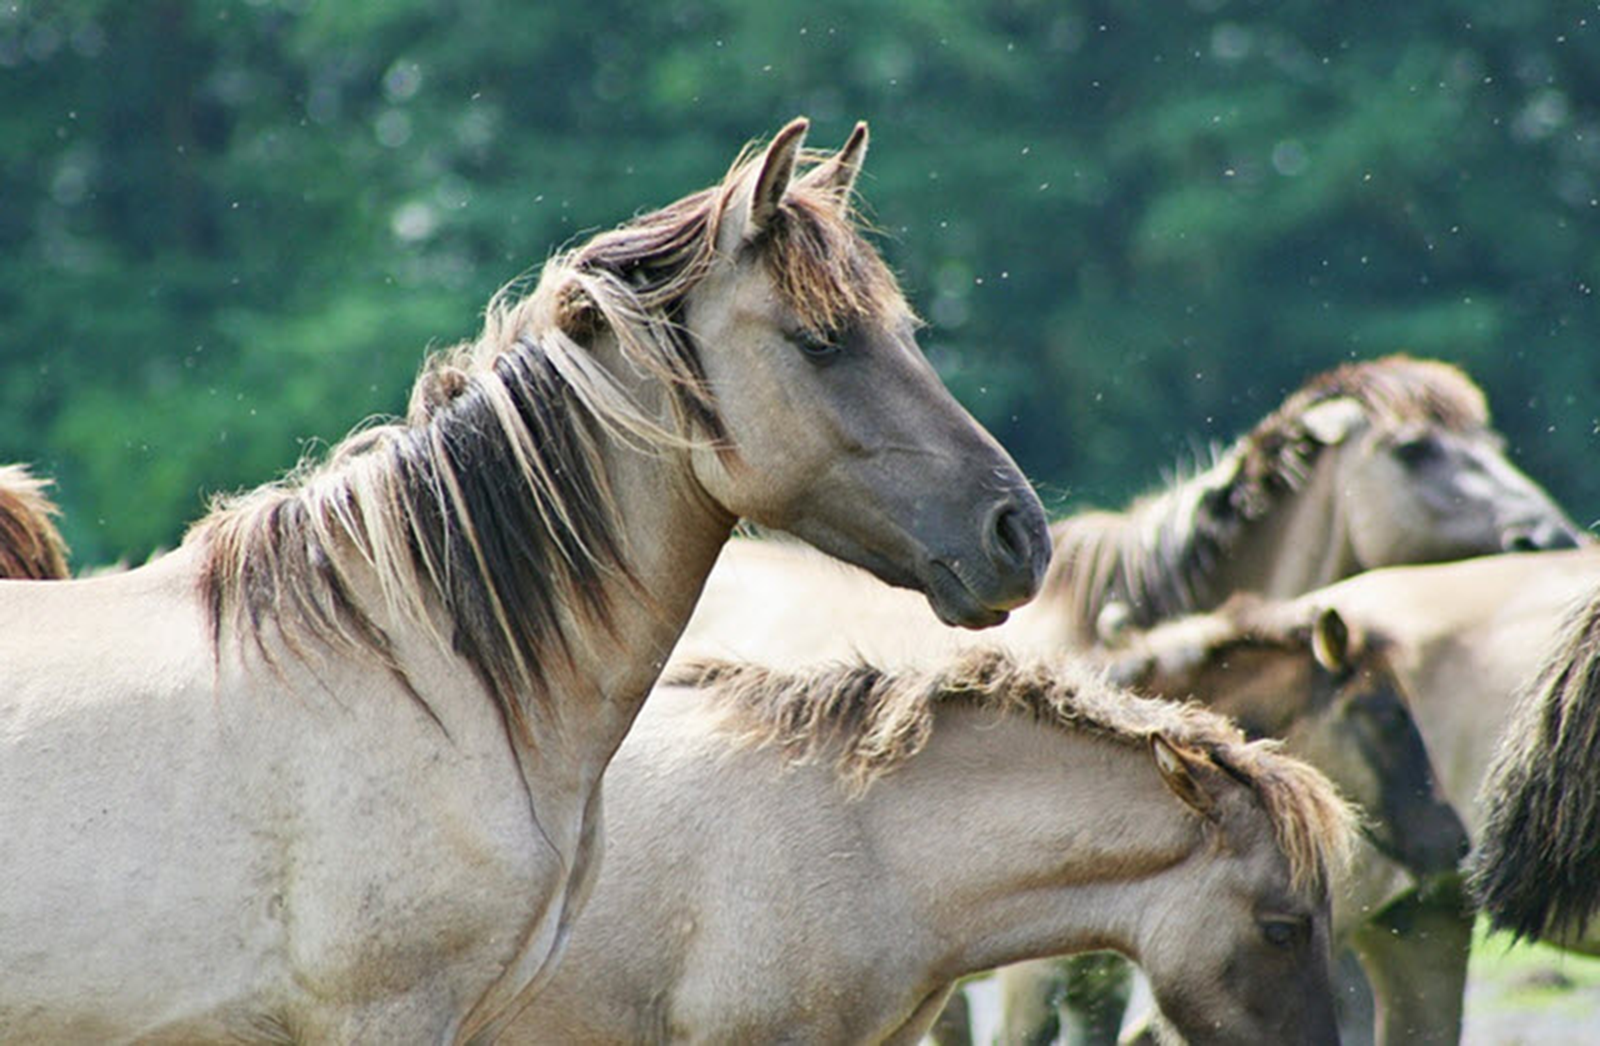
<point>871,722</point>
<point>1159,558</point>
<point>30,546</point>
<point>486,516</point>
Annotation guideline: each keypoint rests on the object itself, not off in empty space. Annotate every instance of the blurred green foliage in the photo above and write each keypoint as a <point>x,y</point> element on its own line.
<point>230,228</point>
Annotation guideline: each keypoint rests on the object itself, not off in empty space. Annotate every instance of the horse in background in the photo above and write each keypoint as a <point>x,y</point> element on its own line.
<point>1372,464</point>
<point>30,545</point>
<point>1331,693</point>
<point>932,823</point>
<point>330,770</point>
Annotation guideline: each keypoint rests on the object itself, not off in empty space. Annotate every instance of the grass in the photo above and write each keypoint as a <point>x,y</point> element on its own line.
<point>1530,993</point>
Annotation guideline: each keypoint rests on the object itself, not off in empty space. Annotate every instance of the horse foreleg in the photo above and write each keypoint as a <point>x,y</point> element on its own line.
<point>1415,955</point>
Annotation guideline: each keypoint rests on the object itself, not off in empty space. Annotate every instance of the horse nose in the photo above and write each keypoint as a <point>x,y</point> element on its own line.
<point>1018,543</point>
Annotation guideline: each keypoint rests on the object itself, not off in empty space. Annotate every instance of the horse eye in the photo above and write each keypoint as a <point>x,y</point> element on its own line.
<point>1282,933</point>
<point>1417,451</point>
<point>817,348</point>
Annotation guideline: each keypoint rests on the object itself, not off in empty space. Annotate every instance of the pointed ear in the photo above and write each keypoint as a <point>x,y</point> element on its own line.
<point>1330,641</point>
<point>1330,421</point>
<point>1180,771</point>
<point>837,175</point>
<point>777,170</point>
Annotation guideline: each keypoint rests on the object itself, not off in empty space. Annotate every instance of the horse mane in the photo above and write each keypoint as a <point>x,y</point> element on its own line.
<point>30,545</point>
<point>486,516</point>
<point>873,722</point>
<point>1160,555</point>
<point>1536,868</point>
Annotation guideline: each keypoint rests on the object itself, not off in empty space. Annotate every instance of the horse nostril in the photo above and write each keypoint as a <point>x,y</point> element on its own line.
<point>1520,542</point>
<point>1008,537</point>
<point>1538,539</point>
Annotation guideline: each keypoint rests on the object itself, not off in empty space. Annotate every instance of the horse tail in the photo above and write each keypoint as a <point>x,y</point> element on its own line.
<point>1536,870</point>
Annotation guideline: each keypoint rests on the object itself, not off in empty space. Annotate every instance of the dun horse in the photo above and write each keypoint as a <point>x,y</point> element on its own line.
<point>816,856</point>
<point>329,771</point>
<point>1331,692</point>
<point>1369,465</point>
<point>30,545</point>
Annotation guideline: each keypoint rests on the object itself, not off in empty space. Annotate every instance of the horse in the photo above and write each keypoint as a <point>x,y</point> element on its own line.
<point>329,770</point>
<point>816,856</point>
<point>30,545</point>
<point>1372,464</point>
<point>1331,693</point>
<point>1537,861</point>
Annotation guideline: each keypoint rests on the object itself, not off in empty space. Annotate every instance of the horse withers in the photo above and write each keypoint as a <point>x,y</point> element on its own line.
<point>330,770</point>
<point>816,856</point>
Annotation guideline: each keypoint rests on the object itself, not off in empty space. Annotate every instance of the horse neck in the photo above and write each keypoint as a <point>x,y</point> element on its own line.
<point>1015,839</point>
<point>671,533</point>
<point>1302,542</point>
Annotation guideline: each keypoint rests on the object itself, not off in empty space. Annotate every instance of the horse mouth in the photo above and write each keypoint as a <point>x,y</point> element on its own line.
<point>956,604</point>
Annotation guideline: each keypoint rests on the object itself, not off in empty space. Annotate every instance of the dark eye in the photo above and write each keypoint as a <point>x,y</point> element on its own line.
<point>1418,451</point>
<point>818,348</point>
<point>1283,931</point>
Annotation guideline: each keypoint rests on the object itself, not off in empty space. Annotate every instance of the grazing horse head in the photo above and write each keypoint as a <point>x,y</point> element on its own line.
<point>30,545</point>
<point>1240,952</point>
<point>1373,464</point>
<point>1330,694</point>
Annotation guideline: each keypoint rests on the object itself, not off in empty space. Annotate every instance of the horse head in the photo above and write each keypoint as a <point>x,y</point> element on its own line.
<point>1421,475</point>
<point>835,428</point>
<point>1241,953</point>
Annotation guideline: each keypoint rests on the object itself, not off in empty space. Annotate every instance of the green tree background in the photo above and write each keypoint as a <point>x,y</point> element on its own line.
<point>231,229</point>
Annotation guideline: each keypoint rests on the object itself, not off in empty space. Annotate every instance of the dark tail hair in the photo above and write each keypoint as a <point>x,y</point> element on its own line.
<point>1536,870</point>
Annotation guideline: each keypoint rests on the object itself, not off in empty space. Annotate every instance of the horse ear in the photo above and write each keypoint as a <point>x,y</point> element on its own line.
<point>837,175</point>
<point>1180,771</point>
<point>1330,641</point>
<point>1330,421</point>
<point>777,170</point>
